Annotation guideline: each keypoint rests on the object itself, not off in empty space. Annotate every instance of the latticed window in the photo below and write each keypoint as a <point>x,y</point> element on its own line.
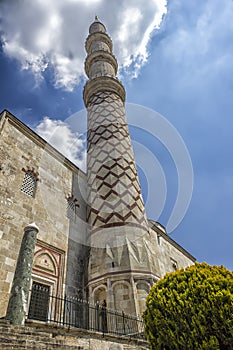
<point>29,184</point>
<point>70,209</point>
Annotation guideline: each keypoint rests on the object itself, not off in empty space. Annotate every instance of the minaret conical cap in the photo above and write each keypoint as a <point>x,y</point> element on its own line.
<point>97,26</point>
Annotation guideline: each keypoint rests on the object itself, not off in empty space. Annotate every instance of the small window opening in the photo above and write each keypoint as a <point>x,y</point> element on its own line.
<point>174,264</point>
<point>159,239</point>
<point>29,184</point>
<point>70,209</point>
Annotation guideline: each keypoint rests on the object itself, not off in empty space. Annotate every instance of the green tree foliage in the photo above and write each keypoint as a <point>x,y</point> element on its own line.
<point>191,309</point>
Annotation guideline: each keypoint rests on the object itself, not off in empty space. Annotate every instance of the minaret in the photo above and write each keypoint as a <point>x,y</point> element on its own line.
<point>116,213</point>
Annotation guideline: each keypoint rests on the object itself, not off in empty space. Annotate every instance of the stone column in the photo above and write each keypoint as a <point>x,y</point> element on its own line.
<point>134,291</point>
<point>18,302</point>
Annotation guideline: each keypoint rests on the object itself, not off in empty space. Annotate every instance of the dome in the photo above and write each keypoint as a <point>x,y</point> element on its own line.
<point>97,26</point>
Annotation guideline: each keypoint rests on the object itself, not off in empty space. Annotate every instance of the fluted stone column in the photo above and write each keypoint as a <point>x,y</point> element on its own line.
<point>18,303</point>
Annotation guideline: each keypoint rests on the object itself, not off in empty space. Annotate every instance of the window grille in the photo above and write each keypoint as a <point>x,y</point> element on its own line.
<point>70,209</point>
<point>39,303</point>
<point>29,184</point>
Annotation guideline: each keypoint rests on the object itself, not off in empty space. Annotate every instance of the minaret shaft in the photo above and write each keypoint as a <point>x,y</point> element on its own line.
<point>115,195</point>
<point>116,214</point>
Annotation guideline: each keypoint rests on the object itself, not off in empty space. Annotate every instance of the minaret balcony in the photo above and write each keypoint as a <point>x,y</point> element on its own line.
<point>98,37</point>
<point>96,60</point>
<point>103,83</point>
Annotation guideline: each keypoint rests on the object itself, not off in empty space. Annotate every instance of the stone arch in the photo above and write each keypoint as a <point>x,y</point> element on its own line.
<point>31,170</point>
<point>143,288</point>
<point>123,299</point>
<point>45,261</point>
<point>100,294</point>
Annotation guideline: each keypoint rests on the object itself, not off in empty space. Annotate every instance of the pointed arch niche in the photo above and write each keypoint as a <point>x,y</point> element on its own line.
<point>100,294</point>
<point>143,288</point>
<point>48,267</point>
<point>123,298</point>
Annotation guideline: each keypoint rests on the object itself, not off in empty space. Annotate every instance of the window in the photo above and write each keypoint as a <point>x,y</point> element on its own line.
<point>70,210</point>
<point>29,184</point>
<point>39,303</point>
<point>159,239</point>
<point>174,264</point>
<point>71,207</point>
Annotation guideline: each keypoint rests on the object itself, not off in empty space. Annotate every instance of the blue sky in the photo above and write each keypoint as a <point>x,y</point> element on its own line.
<point>176,58</point>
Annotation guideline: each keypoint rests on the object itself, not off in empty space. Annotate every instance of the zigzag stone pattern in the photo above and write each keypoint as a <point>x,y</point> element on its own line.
<point>114,193</point>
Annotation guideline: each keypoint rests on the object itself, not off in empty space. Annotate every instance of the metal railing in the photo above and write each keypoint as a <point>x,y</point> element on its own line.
<point>73,312</point>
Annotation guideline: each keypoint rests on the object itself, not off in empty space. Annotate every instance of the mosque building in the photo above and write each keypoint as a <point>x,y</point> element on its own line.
<point>94,239</point>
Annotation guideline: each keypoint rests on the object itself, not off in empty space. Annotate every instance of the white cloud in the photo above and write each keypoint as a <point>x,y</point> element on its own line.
<point>69,143</point>
<point>40,33</point>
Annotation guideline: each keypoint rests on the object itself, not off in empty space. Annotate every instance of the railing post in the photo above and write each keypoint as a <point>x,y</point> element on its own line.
<point>18,302</point>
<point>123,318</point>
<point>64,311</point>
<point>97,318</point>
<point>103,315</point>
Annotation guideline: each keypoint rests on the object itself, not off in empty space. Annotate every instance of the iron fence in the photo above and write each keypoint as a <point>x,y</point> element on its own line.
<point>73,312</point>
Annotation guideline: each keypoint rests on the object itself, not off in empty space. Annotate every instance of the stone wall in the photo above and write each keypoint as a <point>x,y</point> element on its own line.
<point>21,150</point>
<point>46,337</point>
<point>168,255</point>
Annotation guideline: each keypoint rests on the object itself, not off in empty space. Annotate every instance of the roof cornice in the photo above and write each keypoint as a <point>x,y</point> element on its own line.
<point>164,235</point>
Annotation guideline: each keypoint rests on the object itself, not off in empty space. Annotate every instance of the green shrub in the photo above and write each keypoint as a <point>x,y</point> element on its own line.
<point>191,309</point>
